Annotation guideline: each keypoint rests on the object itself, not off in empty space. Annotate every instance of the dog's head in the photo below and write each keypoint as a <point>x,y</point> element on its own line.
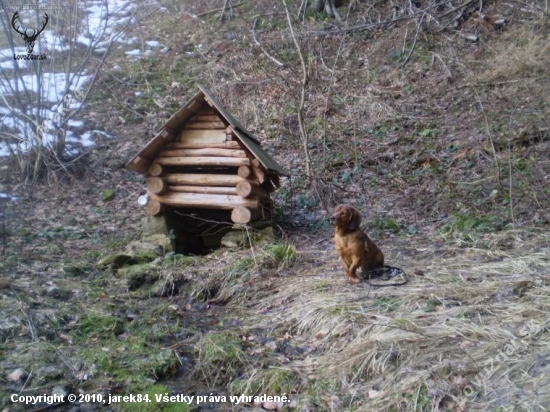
<point>346,217</point>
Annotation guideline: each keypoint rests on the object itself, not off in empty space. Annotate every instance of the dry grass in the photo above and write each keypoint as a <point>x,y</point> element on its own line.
<point>471,334</point>
<point>521,54</point>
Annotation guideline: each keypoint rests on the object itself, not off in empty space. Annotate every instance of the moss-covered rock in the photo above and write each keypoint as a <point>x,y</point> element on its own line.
<point>115,259</point>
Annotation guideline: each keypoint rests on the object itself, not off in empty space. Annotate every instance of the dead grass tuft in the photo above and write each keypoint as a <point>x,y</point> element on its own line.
<point>521,55</point>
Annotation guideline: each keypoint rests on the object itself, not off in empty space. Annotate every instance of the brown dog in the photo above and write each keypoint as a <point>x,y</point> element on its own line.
<point>352,244</point>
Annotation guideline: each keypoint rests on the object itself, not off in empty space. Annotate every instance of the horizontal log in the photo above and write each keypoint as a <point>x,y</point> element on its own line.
<point>244,172</point>
<point>206,110</point>
<point>155,169</point>
<point>203,161</point>
<point>198,179</point>
<point>187,145</point>
<point>209,151</point>
<point>259,173</point>
<point>242,214</point>
<point>213,190</point>
<point>204,201</point>
<point>205,118</point>
<point>202,136</point>
<point>205,125</point>
<point>247,189</point>
<point>156,185</point>
<point>154,207</point>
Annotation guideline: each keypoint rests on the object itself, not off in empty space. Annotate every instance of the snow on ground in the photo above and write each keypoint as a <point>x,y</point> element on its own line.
<point>95,32</point>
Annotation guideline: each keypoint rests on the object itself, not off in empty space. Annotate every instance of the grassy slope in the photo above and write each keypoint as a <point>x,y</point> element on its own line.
<point>441,154</point>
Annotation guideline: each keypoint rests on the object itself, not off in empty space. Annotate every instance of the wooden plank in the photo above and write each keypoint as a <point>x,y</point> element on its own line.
<point>213,190</point>
<point>205,125</point>
<point>202,136</point>
<point>205,201</point>
<point>203,161</point>
<point>205,109</point>
<point>198,179</point>
<point>185,145</point>
<point>208,151</point>
<point>205,118</point>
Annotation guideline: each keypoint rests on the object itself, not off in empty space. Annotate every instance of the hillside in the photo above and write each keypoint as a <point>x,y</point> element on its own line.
<point>432,118</point>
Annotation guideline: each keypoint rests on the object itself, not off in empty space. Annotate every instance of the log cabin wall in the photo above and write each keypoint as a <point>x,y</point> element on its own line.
<point>207,168</point>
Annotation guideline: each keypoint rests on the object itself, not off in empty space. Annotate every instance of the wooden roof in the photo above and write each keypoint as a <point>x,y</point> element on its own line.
<point>168,132</point>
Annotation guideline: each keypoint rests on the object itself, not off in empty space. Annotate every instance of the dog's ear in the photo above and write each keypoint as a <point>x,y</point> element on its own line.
<point>354,220</point>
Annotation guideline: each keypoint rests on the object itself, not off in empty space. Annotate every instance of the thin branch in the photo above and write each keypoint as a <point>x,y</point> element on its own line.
<point>303,83</point>
<point>273,59</point>
<point>218,9</point>
<point>418,26</point>
<point>488,129</point>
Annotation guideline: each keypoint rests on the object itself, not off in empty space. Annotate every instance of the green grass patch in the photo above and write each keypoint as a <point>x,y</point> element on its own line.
<point>219,357</point>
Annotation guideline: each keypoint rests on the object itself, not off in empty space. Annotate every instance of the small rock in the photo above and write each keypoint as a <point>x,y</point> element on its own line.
<point>60,391</point>
<point>54,292</point>
<point>137,246</point>
<point>154,225</point>
<point>163,241</point>
<point>47,373</point>
<point>235,238</point>
<point>17,375</point>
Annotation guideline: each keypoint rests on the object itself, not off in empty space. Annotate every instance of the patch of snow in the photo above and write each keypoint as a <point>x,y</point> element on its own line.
<point>7,196</point>
<point>76,123</point>
<point>135,52</point>
<point>152,43</point>
<point>52,85</point>
<point>86,139</point>
<point>52,42</point>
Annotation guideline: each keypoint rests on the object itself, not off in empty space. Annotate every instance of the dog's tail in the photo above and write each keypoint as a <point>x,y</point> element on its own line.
<point>385,273</point>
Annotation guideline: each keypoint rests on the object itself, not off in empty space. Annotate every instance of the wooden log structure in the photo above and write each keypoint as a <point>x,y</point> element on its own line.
<point>198,179</point>
<point>200,125</point>
<point>155,169</point>
<point>205,201</point>
<point>207,151</point>
<point>189,145</point>
<point>213,190</point>
<point>243,214</point>
<point>156,185</point>
<point>247,189</point>
<point>205,164</point>
<point>154,207</point>
<point>205,118</point>
<point>258,171</point>
<point>244,172</point>
<point>202,161</point>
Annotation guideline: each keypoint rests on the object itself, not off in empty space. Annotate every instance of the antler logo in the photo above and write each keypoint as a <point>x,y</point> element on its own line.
<point>29,35</point>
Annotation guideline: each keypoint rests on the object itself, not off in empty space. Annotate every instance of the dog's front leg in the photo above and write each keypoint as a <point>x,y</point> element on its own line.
<point>351,272</point>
